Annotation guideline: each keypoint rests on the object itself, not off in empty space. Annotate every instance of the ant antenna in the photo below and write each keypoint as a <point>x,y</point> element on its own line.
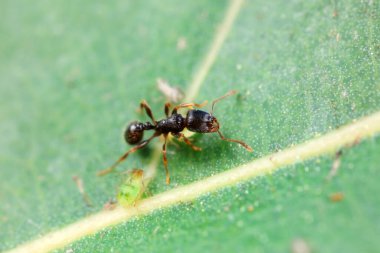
<point>230,93</point>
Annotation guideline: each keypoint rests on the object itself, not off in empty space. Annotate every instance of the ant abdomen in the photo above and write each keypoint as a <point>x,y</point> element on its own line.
<point>134,132</point>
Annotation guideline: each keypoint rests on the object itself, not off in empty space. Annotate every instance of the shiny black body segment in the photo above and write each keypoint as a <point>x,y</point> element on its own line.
<point>173,124</point>
<point>200,121</point>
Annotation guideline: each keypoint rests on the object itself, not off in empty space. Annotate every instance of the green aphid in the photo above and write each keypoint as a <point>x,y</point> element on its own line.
<point>131,189</point>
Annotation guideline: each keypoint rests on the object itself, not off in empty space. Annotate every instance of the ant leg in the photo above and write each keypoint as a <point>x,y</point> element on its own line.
<point>187,141</point>
<point>167,108</point>
<point>148,111</point>
<point>230,93</point>
<point>187,105</point>
<point>246,146</point>
<point>165,160</point>
<point>123,157</point>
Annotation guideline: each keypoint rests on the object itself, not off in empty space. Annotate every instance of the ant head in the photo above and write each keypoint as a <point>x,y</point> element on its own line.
<point>201,122</point>
<point>134,133</point>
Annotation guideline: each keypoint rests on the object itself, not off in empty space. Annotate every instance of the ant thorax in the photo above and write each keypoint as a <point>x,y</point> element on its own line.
<point>173,124</point>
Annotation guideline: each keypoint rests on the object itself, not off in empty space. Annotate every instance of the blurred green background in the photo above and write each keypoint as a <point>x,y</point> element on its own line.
<point>73,73</point>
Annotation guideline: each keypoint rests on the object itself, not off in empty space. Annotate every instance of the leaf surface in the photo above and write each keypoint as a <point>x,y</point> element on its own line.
<point>73,77</point>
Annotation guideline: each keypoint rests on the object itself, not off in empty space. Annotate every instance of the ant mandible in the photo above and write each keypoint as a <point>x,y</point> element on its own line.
<point>196,121</point>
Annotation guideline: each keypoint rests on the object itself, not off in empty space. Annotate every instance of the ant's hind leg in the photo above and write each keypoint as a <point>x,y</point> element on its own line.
<point>167,109</point>
<point>245,145</point>
<point>123,157</point>
<point>144,105</point>
<point>187,141</point>
<point>188,105</point>
<point>165,160</point>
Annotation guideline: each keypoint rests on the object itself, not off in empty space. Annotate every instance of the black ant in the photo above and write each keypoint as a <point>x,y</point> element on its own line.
<point>195,121</point>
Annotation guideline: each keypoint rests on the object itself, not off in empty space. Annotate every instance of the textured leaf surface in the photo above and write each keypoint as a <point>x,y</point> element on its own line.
<point>72,76</point>
<point>266,215</point>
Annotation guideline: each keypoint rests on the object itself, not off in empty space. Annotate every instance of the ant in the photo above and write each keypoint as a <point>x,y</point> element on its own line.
<point>196,121</point>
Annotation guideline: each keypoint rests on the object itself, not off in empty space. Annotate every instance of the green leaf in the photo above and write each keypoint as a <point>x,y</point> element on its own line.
<point>268,214</point>
<point>72,76</point>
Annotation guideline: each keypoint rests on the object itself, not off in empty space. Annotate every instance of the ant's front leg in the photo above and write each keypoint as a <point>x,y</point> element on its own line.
<point>188,105</point>
<point>144,105</point>
<point>245,145</point>
<point>187,141</point>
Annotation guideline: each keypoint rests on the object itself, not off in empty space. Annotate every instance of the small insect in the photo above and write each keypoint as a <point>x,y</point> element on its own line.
<point>335,166</point>
<point>196,121</point>
<point>79,182</point>
<point>337,197</point>
<point>172,93</point>
<point>131,189</point>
